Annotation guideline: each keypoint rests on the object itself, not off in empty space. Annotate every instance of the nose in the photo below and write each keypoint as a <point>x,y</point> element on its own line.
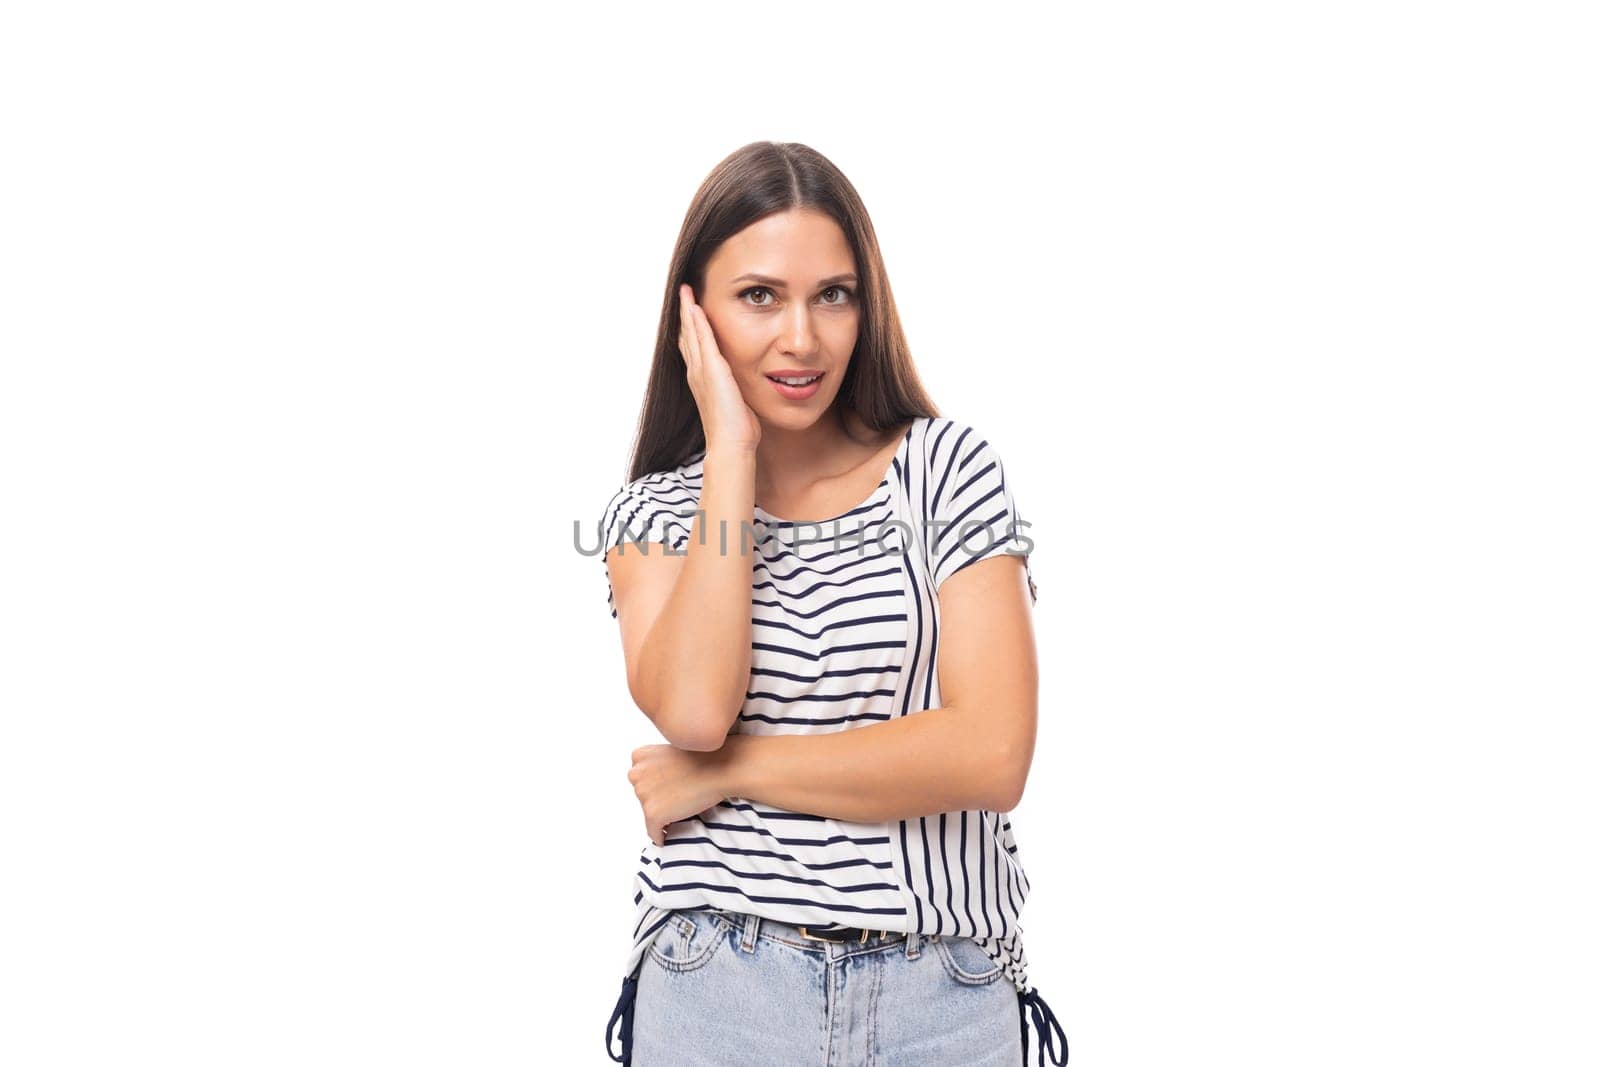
<point>799,338</point>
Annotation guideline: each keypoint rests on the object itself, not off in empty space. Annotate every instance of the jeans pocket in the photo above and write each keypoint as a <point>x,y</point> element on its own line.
<point>688,940</point>
<point>966,960</point>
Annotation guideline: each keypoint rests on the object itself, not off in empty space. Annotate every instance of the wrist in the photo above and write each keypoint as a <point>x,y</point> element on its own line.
<point>730,452</point>
<point>726,771</point>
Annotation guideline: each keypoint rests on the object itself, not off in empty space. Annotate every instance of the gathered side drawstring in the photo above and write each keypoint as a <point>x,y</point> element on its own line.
<point>624,1012</point>
<point>1044,1020</point>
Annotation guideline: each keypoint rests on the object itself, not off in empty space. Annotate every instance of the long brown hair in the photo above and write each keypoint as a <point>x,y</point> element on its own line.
<point>764,177</point>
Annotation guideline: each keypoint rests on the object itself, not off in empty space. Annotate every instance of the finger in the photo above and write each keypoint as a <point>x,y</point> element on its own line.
<point>688,342</point>
<point>705,345</point>
<point>708,344</point>
<point>686,350</point>
<point>702,328</point>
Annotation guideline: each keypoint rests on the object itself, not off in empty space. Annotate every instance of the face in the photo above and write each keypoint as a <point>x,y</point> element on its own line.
<point>781,297</point>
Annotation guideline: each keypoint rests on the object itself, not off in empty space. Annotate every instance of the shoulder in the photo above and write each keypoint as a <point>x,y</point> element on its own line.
<point>971,505</point>
<point>661,501</point>
<point>951,448</point>
<point>679,481</point>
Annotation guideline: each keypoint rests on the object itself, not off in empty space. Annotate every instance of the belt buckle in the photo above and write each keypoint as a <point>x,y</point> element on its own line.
<point>832,940</point>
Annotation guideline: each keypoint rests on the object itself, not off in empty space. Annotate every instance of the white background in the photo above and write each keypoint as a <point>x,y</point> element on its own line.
<point>323,323</point>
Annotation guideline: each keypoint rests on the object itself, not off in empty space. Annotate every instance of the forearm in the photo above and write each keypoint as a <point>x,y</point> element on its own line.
<point>936,760</point>
<point>697,655</point>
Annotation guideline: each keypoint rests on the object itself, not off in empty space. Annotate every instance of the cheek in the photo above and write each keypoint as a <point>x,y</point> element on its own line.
<point>841,341</point>
<point>738,343</point>
<point>744,350</point>
<point>842,331</point>
<point>746,373</point>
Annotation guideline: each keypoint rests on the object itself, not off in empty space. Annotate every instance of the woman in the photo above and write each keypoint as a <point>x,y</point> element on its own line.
<point>827,616</point>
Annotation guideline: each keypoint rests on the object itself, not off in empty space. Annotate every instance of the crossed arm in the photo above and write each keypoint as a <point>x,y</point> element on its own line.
<point>973,752</point>
<point>939,759</point>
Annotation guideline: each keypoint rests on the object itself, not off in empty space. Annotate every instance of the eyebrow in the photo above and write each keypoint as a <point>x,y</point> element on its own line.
<point>778,283</point>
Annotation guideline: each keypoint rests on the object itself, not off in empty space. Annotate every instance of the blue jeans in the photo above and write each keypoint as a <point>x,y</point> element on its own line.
<point>724,989</point>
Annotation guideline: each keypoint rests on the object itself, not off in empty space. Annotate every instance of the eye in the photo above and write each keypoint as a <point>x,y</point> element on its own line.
<point>757,289</point>
<point>846,294</point>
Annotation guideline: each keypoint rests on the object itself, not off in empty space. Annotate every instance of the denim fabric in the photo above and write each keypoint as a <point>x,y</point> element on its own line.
<point>723,989</point>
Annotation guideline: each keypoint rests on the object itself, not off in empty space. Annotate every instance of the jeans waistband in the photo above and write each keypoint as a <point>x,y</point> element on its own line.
<point>753,926</point>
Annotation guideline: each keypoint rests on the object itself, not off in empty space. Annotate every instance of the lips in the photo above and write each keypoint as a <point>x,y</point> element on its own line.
<point>812,380</point>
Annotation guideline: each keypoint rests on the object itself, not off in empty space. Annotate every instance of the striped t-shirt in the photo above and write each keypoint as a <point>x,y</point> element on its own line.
<point>845,632</point>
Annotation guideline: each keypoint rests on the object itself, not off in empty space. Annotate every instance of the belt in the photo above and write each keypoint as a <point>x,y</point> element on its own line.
<point>838,936</point>
<point>842,934</point>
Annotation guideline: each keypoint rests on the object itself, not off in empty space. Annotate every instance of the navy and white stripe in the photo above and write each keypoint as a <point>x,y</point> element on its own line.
<point>657,509</point>
<point>845,633</point>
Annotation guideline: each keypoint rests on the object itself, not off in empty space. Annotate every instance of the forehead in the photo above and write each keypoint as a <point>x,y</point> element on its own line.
<point>796,246</point>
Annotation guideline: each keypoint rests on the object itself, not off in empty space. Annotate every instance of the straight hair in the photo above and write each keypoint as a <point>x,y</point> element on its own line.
<point>880,385</point>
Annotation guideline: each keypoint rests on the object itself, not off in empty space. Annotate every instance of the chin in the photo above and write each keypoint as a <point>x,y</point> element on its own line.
<point>793,418</point>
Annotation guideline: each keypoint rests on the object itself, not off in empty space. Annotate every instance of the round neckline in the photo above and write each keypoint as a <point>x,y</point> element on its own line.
<point>887,471</point>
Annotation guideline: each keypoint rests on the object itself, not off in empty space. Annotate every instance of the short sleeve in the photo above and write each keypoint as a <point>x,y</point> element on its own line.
<point>975,516</point>
<point>653,510</point>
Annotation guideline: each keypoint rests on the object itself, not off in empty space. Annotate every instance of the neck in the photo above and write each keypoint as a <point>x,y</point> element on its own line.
<point>790,459</point>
